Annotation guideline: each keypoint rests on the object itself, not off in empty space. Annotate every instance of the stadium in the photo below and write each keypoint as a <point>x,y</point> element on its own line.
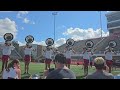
<point>37,63</point>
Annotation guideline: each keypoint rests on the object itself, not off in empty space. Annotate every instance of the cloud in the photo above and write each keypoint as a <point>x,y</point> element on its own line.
<point>81,34</point>
<point>21,44</point>
<point>33,23</point>
<point>40,43</point>
<point>60,41</point>
<point>6,11</point>
<point>22,28</point>
<point>7,26</point>
<point>35,42</point>
<point>25,20</point>
<point>21,14</point>
<point>61,27</point>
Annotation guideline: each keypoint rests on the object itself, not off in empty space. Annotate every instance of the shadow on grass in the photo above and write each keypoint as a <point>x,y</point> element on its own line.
<point>80,77</point>
<point>25,77</point>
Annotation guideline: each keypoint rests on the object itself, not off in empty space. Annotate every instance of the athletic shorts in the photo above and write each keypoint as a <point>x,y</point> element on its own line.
<point>68,61</point>
<point>109,62</point>
<point>5,58</point>
<point>86,62</point>
<point>47,61</point>
<point>27,58</point>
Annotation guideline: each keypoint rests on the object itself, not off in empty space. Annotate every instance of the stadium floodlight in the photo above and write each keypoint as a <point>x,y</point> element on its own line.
<point>54,14</point>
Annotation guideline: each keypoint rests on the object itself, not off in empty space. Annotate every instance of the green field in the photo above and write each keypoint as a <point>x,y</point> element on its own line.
<point>39,68</point>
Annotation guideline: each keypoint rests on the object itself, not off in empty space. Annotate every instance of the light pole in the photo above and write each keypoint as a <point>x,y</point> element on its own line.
<point>54,14</point>
<point>101,23</point>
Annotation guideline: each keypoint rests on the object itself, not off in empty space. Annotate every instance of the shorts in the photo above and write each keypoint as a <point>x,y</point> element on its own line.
<point>86,62</point>
<point>27,58</point>
<point>47,61</point>
<point>68,61</point>
<point>5,58</point>
<point>109,62</point>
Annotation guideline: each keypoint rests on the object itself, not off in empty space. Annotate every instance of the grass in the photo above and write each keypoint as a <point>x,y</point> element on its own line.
<point>39,68</point>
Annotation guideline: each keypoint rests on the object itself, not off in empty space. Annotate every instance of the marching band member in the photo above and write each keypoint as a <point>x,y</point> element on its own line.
<point>27,58</point>
<point>6,52</point>
<point>109,57</point>
<point>55,53</point>
<point>68,53</point>
<point>86,58</point>
<point>90,59</point>
<point>48,57</point>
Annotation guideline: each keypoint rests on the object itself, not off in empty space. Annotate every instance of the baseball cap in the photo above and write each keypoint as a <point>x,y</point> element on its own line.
<point>99,61</point>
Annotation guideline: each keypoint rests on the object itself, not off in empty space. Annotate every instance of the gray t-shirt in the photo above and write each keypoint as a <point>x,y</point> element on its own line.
<point>61,74</point>
<point>100,75</point>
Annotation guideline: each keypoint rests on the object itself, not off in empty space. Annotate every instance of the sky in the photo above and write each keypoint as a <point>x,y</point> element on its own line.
<point>77,25</point>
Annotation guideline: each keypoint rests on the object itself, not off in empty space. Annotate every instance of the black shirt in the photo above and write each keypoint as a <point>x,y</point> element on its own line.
<point>61,74</point>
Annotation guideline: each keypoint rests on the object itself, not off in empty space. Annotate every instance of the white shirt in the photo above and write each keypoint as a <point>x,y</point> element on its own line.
<point>108,56</point>
<point>68,54</point>
<point>6,50</point>
<point>86,55</point>
<point>48,54</point>
<point>5,74</point>
<point>28,51</point>
<point>12,74</point>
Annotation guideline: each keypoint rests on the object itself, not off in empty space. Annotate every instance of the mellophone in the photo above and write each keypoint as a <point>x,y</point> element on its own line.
<point>112,44</point>
<point>49,41</point>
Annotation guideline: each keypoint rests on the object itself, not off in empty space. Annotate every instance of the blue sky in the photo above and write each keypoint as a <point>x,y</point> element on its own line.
<point>40,24</point>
